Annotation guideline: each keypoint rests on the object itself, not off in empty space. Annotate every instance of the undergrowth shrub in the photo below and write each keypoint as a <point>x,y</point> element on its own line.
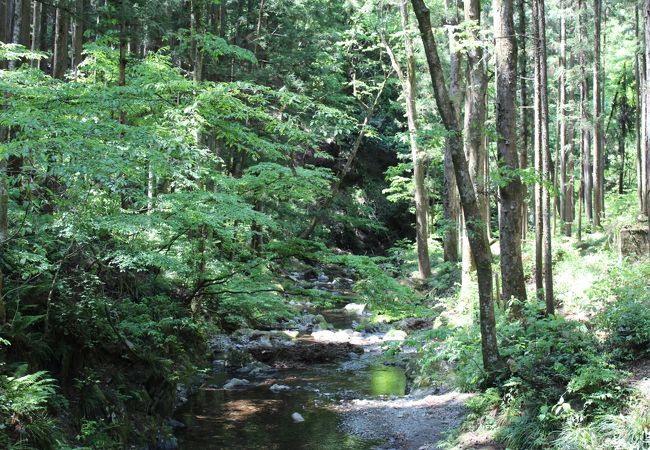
<point>24,419</point>
<point>625,314</point>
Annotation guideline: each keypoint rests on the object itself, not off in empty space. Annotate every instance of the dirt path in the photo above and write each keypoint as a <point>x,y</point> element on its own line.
<point>417,421</point>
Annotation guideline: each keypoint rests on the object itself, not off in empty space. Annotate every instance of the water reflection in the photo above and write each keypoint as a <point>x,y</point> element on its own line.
<point>257,418</point>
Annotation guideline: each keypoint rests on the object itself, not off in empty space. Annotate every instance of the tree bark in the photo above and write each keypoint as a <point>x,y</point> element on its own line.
<point>450,198</point>
<point>37,19</point>
<point>61,26</point>
<point>474,126</point>
<point>512,270</point>
<point>646,95</point>
<point>5,28</point>
<point>22,22</point>
<point>586,164</point>
<point>477,233</point>
<point>597,105</point>
<point>77,34</point>
<point>419,158</point>
<point>525,116</point>
<point>543,150</point>
<point>537,143</point>
<point>563,139</point>
<point>195,50</point>
<point>637,93</point>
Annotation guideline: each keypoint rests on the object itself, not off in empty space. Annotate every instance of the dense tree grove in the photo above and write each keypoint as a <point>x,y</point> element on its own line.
<point>170,171</point>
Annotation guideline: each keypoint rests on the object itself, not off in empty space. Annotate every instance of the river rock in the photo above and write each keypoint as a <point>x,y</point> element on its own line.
<point>174,424</point>
<point>394,335</point>
<point>292,334</point>
<point>221,343</point>
<point>254,368</point>
<point>182,393</point>
<point>331,336</point>
<point>235,383</point>
<point>297,417</point>
<point>279,388</point>
<point>219,365</point>
<point>166,442</point>
<point>414,323</point>
<point>355,308</point>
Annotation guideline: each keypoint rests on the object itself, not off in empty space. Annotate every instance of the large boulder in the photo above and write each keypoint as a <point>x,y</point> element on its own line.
<point>633,241</point>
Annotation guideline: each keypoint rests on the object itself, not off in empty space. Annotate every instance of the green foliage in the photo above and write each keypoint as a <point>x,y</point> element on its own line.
<point>625,316</point>
<point>386,295</point>
<point>24,420</point>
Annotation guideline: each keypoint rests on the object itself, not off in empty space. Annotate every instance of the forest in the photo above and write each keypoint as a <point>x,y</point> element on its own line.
<point>325,224</point>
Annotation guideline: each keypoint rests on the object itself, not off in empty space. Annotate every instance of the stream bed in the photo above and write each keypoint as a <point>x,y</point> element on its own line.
<point>253,416</point>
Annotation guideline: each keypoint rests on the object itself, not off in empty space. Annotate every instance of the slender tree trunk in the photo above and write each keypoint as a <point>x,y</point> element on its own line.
<point>586,165</point>
<point>597,105</point>
<point>195,50</point>
<point>5,27</point>
<point>512,270</point>
<point>419,158</point>
<point>4,219</point>
<point>451,200</point>
<point>78,34</point>
<point>37,13</point>
<point>637,93</point>
<point>565,144</point>
<point>477,233</point>
<point>123,52</point>
<point>21,22</point>
<point>539,222</point>
<point>543,152</point>
<point>474,127</point>
<point>646,96</point>
<point>525,116</point>
<point>60,44</point>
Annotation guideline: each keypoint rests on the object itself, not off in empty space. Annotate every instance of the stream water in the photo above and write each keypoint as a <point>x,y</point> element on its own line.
<point>255,417</point>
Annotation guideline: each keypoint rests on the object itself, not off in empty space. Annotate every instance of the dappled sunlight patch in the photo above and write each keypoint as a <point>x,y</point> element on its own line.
<point>242,409</point>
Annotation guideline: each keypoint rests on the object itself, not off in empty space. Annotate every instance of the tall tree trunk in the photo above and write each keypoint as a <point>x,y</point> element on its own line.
<point>419,157</point>
<point>539,221</point>
<point>525,116</point>
<point>512,269</point>
<point>646,96</point>
<point>474,127</point>
<point>543,150</point>
<point>563,138</point>
<point>61,26</point>
<point>450,198</point>
<point>37,20</point>
<point>77,34</point>
<point>637,93</point>
<point>22,22</point>
<point>586,165</point>
<point>195,50</point>
<point>477,233</point>
<point>121,81</point>
<point>597,105</point>
<point>5,25</point>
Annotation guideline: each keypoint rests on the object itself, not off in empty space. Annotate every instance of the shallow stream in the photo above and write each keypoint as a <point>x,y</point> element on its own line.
<point>255,417</point>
